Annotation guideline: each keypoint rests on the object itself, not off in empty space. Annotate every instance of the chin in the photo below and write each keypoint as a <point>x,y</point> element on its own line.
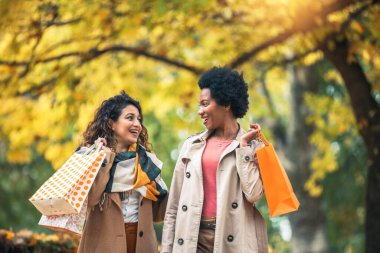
<point>130,141</point>
<point>209,127</point>
<point>133,141</point>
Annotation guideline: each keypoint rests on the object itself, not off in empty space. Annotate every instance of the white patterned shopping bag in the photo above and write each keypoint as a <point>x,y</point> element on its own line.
<point>71,223</point>
<point>66,190</point>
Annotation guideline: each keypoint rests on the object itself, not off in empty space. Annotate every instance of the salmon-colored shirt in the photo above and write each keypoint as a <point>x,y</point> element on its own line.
<point>210,161</point>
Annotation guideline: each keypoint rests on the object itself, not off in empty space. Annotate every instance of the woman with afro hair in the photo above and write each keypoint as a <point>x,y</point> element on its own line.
<point>216,180</point>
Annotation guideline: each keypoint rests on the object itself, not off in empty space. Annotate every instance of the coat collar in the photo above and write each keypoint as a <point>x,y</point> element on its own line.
<point>198,142</point>
<point>205,134</point>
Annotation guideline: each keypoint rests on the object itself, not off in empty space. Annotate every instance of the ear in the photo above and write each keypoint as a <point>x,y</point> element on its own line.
<point>227,108</point>
<point>111,124</point>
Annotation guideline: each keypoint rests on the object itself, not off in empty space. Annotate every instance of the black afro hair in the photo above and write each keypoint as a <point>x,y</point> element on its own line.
<point>227,87</point>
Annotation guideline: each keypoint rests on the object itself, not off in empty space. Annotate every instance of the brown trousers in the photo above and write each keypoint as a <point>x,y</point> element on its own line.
<point>206,238</point>
<point>131,236</point>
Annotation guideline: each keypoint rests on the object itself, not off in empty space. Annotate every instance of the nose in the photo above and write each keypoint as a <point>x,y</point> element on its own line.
<point>200,111</point>
<point>137,123</point>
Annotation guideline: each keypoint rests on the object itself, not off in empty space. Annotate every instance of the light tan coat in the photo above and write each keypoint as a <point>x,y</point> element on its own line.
<point>240,228</point>
<point>104,230</point>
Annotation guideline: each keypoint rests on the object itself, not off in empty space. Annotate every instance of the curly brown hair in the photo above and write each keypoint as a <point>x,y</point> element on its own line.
<point>111,109</point>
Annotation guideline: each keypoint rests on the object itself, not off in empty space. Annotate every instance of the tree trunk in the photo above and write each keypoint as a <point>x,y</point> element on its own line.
<point>367,114</point>
<point>309,225</point>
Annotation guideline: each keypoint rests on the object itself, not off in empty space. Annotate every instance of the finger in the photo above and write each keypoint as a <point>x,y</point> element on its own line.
<point>105,148</point>
<point>252,133</point>
<point>102,140</point>
<point>255,126</point>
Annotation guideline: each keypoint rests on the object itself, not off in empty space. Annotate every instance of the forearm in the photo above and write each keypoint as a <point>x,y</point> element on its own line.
<point>101,181</point>
<point>247,168</point>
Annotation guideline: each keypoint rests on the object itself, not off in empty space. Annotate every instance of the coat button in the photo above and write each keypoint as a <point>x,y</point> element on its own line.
<point>246,158</point>
<point>230,238</point>
<point>180,241</point>
<point>141,233</point>
<point>188,174</point>
<point>235,205</point>
<point>184,208</point>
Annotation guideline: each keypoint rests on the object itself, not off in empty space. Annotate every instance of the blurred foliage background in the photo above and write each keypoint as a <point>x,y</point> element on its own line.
<point>313,74</point>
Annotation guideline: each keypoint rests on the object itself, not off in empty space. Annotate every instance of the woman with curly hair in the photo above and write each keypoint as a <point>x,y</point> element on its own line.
<point>128,194</point>
<point>216,181</point>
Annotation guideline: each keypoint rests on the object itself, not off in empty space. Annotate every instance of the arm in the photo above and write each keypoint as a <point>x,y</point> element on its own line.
<point>172,205</point>
<point>248,170</point>
<point>101,181</point>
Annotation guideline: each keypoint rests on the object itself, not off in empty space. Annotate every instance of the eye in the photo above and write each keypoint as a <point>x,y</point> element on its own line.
<point>129,117</point>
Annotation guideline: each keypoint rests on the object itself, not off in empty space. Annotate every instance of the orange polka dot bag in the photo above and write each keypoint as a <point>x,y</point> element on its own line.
<point>66,190</point>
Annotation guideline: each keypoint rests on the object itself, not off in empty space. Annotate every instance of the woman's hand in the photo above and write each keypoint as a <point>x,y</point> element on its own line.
<point>253,132</point>
<point>104,141</point>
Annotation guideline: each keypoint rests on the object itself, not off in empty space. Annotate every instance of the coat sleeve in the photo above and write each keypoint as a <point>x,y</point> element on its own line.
<point>101,181</point>
<point>248,170</point>
<point>168,232</point>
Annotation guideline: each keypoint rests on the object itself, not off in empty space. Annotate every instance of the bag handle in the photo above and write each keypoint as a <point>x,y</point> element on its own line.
<point>263,139</point>
<point>99,147</point>
<point>94,146</point>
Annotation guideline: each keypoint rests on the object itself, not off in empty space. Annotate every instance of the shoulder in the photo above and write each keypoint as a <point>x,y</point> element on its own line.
<point>189,140</point>
<point>195,136</point>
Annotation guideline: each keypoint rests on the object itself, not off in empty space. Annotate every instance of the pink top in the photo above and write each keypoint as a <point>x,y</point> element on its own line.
<point>210,161</point>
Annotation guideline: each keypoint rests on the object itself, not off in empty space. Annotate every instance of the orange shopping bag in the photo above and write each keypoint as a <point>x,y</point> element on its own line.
<point>277,188</point>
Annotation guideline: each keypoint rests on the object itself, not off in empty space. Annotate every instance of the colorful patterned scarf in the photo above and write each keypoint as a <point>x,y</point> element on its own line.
<point>139,170</point>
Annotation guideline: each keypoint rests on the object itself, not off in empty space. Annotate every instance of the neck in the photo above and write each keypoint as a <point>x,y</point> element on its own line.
<point>121,147</point>
<point>228,131</point>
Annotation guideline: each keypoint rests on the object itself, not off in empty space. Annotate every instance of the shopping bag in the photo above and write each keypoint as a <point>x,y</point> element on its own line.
<point>66,190</point>
<point>69,223</point>
<point>278,191</point>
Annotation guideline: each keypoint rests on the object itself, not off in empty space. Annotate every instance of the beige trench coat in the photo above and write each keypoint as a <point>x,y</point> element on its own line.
<point>104,231</point>
<point>240,227</point>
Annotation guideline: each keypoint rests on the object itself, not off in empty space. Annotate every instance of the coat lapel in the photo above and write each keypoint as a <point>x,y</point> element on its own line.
<point>234,144</point>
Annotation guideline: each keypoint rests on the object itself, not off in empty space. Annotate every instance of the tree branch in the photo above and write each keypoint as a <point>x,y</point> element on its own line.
<point>343,27</point>
<point>95,53</point>
<point>62,23</point>
<point>310,24</point>
<point>42,85</point>
<point>14,63</point>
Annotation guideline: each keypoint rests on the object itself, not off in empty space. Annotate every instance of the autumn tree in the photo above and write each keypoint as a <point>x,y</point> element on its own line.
<point>61,58</point>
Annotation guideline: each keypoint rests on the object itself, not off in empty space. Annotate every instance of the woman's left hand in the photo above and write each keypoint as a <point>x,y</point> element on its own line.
<point>253,132</point>
<point>104,141</point>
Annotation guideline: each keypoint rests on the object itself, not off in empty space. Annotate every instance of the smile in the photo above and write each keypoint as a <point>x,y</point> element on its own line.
<point>134,132</point>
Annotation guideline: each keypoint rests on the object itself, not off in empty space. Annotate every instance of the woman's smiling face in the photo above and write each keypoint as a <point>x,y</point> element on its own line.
<point>128,127</point>
<point>211,112</point>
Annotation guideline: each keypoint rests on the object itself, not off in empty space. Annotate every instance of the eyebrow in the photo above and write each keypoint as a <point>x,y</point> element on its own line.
<point>131,113</point>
